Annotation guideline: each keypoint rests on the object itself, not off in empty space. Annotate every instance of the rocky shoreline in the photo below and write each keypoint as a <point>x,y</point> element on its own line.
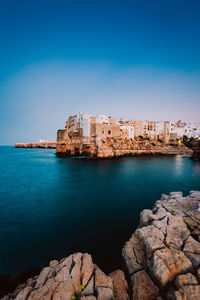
<point>113,147</point>
<point>36,145</point>
<point>161,260</point>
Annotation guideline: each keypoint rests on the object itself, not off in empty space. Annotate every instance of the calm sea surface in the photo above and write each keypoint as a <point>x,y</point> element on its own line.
<point>51,207</point>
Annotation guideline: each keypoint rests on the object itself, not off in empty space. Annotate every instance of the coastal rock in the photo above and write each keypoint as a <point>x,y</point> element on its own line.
<point>185,279</point>
<point>120,285</point>
<point>167,249</point>
<point>166,264</point>
<point>161,261</point>
<point>73,277</point>
<point>143,287</point>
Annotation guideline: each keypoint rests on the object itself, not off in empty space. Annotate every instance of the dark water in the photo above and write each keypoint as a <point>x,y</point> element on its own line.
<point>51,207</point>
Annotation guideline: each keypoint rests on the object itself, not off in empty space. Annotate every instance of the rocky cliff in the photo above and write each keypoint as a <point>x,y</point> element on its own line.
<point>161,261</point>
<point>196,149</point>
<point>116,147</point>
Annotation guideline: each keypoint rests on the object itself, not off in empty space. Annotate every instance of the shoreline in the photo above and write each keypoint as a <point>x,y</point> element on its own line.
<point>161,260</point>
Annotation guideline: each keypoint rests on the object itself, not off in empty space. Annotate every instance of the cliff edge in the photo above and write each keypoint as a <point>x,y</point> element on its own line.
<point>160,261</point>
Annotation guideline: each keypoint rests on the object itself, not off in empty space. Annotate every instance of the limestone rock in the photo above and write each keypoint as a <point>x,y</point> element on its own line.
<point>191,245</point>
<point>177,232</point>
<point>173,195</point>
<point>166,264</point>
<point>23,294</point>
<point>120,285</point>
<point>185,279</point>
<point>143,287</point>
<point>194,194</point>
<point>198,275</point>
<point>191,292</point>
<point>87,269</point>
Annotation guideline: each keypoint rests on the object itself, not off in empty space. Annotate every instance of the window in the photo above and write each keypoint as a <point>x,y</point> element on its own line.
<point>109,132</point>
<point>103,132</point>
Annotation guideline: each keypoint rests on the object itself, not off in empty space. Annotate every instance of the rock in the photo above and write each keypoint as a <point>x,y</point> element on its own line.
<point>173,195</point>
<point>44,275</point>
<point>76,273</point>
<point>105,294</point>
<point>148,216</point>
<point>198,275</point>
<point>161,259</point>
<point>152,244</point>
<point>103,286</point>
<point>161,225</point>
<point>143,287</point>
<point>120,285</point>
<point>177,232</point>
<point>88,298</point>
<point>150,231</point>
<point>23,294</point>
<point>102,280</point>
<point>145,216</point>
<point>191,245</point>
<point>63,275</point>
<point>194,258</point>
<point>64,291</point>
<point>185,279</point>
<point>194,194</point>
<point>191,292</point>
<point>65,262</point>
<point>53,263</point>
<point>89,289</point>
<point>166,264</point>
<point>87,269</point>
<point>130,260</point>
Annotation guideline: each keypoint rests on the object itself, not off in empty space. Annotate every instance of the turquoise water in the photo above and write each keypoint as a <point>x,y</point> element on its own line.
<point>51,207</point>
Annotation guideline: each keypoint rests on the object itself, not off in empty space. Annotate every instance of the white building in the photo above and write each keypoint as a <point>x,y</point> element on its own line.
<point>102,119</point>
<point>160,127</point>
<point>192,130</point>
<point>129,129</point>
<point>84,121</point>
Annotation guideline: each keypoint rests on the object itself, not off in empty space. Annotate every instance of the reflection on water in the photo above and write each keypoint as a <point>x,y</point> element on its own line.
<point>51,207</point>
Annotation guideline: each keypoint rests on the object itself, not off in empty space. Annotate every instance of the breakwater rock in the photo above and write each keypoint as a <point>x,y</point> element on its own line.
<point>160,261</point>
<point>45,145</point>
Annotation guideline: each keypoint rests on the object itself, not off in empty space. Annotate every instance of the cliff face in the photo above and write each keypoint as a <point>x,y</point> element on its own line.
<point>115,147</point>
<point>161,261</point>
<point>196,149</point>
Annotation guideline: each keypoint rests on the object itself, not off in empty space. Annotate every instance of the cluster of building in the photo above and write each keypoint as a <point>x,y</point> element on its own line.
<point>102,126</point>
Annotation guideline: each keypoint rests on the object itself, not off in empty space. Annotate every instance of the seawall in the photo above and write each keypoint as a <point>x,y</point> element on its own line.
<point>161,260</point>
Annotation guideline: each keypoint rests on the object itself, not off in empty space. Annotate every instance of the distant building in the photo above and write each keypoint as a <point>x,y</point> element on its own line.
<point>128,131</point>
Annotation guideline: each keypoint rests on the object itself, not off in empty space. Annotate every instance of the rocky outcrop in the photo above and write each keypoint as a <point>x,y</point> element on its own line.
<point>116,147</point>
<point>162,258</point>
<point>196,149</point>
<point>73,278</point>
<point>161,261</point>
<point>44,145</point>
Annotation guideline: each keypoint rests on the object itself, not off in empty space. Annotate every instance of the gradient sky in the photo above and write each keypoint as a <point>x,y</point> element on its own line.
<point>135,59</point>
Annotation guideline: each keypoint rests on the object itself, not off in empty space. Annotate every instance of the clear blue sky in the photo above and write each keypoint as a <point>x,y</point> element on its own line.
<point>137,59</point>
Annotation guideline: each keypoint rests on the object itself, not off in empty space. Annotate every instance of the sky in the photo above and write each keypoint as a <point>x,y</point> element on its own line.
<point>134,59</point>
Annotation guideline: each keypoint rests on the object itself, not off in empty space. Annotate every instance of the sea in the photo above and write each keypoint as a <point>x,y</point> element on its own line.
<point>51,207</point>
